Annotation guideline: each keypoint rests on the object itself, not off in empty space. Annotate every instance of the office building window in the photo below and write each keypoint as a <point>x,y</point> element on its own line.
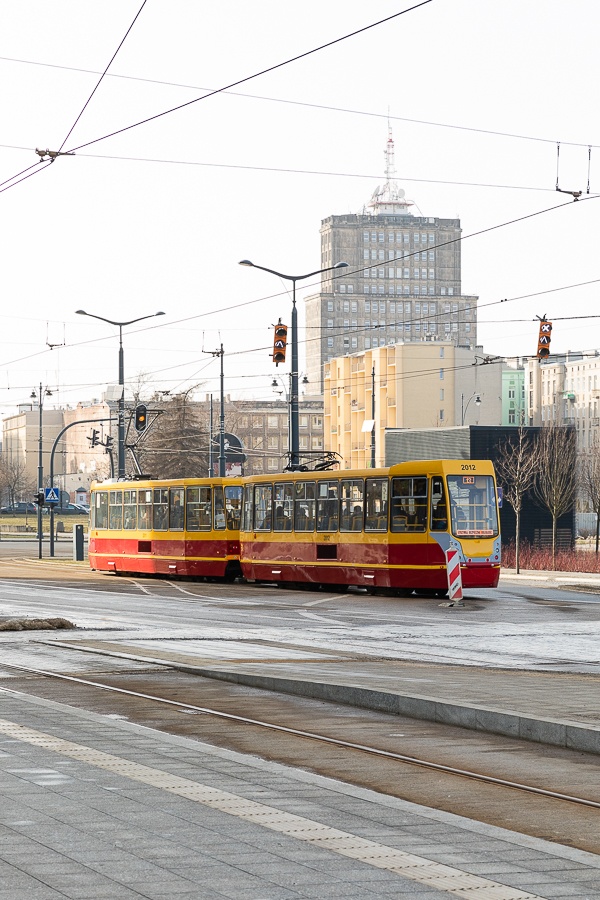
<point>342,288</point>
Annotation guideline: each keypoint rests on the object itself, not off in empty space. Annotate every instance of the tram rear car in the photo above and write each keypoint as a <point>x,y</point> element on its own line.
<point>385,529</point>
<point>184,527</point>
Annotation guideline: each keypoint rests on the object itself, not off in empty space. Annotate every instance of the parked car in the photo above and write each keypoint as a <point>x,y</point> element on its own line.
<point>19,509</point>
<point>71,509</point>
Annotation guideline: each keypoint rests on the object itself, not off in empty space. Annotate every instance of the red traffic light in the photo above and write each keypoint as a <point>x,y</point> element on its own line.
<point>279,343</point>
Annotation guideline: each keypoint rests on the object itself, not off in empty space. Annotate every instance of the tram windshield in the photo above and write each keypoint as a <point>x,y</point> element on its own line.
<point>473,510</point>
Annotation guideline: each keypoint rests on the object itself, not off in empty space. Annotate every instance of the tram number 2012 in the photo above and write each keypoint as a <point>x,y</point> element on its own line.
<point>468,468</point>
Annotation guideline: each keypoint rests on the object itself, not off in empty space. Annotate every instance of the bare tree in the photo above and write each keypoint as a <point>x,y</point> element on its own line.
<point>556,484</point>
<point>590,482</point>
<point>13,479</point>
<point>516,469</point>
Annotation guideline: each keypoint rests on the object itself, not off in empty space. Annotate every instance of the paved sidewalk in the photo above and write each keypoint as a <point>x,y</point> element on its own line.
<point>93,807</point>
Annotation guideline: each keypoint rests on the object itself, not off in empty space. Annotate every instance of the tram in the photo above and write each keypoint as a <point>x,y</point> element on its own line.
<point>387,530</point>
<point>382,529</point>
<point>178,527</point>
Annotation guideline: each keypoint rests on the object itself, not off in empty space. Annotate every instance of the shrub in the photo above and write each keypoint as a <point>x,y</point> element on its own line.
<point>540,559</point>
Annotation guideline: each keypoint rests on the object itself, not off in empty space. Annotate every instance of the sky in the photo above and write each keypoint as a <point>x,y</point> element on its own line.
<point>158,216</point>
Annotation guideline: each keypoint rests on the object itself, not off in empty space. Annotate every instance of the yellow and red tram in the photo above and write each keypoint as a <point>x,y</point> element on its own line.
<point>180,527</point>
<point>382,529</point>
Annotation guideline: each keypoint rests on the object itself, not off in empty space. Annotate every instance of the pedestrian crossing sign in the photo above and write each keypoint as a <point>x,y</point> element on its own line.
<point>51,495</point>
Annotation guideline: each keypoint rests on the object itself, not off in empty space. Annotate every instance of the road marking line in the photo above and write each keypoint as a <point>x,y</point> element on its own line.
<point>416,868</point>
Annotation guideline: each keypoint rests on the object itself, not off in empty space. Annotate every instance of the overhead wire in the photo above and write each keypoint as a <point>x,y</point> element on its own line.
<point>97,85</point>
<point>264,71</point>
<point>387,116</point>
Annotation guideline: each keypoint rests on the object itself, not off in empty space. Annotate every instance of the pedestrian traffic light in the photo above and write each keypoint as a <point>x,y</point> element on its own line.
<point>39,498</point>
<point>545,333</point>
<point>141,417</point>
<point>279,343</point>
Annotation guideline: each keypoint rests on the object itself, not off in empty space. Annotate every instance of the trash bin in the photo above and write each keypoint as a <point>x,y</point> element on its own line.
<point>78,542</point>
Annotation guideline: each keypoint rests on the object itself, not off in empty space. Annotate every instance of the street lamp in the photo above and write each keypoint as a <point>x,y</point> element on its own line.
<point>40,479</point>
<point>463,408</point>
<point>121,421</point>
<point>294,463</point>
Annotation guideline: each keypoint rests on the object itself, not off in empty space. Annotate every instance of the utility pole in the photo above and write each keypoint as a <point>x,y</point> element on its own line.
<point>373,417</point>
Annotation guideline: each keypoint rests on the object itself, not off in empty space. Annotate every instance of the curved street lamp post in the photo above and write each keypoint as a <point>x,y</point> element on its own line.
<point>293,400</point>
<point>121,413</point>
<point>463,408</point>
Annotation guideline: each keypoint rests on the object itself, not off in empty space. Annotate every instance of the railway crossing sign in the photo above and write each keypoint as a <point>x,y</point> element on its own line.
<point>51,495</point>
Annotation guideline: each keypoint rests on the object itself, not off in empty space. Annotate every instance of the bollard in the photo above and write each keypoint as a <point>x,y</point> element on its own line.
<point>78,542</point>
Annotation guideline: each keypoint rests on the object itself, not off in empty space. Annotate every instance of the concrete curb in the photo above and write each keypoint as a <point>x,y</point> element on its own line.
<point>571,735</point>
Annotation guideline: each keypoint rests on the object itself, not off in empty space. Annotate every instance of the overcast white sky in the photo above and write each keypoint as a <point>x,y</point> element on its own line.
<point>158,217</point>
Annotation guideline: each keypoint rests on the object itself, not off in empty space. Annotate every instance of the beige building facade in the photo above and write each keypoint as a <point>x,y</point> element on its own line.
<point>565,389</point>
<point>414,385</point>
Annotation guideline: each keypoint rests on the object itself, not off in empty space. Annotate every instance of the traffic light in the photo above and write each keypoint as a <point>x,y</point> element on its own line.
<point>543,348</point>
<point>279,343</point>
<point>141,417</point>
<point>95,438</point>
<point>39,498</point>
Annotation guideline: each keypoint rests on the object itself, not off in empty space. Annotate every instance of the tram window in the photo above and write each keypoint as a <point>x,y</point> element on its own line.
<point>352,505</point>
<point>219,508</point>
<point>115,510</point>
<point>409,504</point>
<point>263,506</point>
<point>439,509</point>
<point>176,499</point>
<point>473,505</point>
<point>376,504</point>
<point>327,505</point>
<point>160,509</point>
<point>233,505</point>
<point>283,501</point>
<point>304,506</point>
<point>248,495</point>
<point>197,509</point>
<point>129,509</point>
<point>144,510</point>
<point>101,509</point>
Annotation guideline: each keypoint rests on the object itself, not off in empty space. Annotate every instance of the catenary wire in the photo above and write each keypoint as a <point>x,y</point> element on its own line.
<point>265,71</point>
<point>326,108</point>
<point>85,105</point>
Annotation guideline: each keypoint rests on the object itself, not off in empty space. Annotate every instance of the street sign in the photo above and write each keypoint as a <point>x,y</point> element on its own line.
<point>51,495</point>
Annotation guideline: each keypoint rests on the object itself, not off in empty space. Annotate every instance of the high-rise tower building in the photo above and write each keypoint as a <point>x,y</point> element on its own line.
<point>403,281</point>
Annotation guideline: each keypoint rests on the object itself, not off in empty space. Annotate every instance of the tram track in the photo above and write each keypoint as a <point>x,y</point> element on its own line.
<point>535,809</point>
